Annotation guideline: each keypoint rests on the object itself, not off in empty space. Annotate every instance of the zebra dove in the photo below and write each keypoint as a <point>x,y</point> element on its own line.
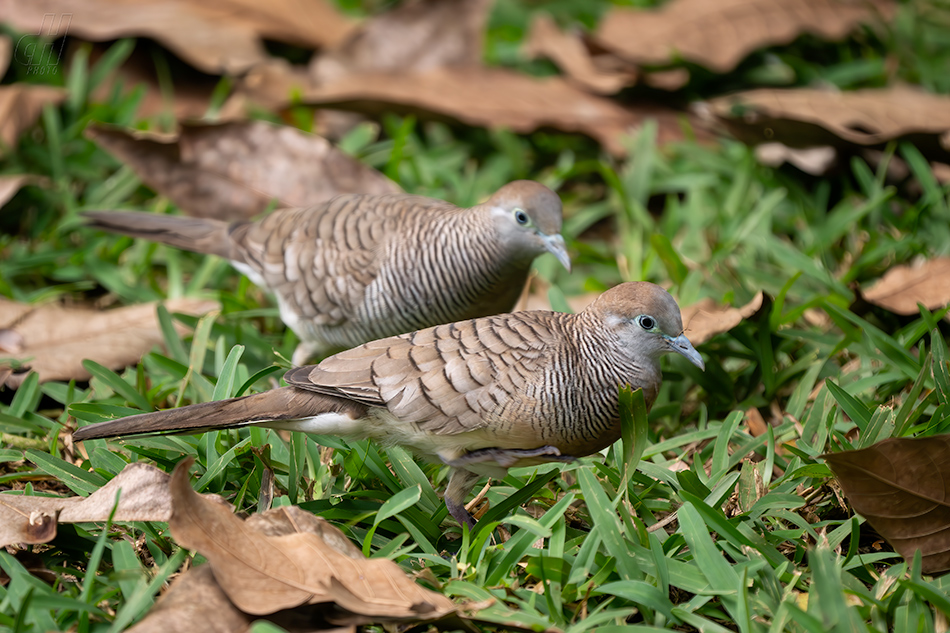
<point>481,395</point>
<point>362,267</point>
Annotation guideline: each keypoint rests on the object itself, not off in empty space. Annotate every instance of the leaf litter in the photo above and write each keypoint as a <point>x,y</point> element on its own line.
<point>53,340</point>
<point>233,171</point>
<point>900,486</point>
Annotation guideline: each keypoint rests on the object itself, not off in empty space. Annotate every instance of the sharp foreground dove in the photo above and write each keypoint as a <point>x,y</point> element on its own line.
<point>362,267</point>
<point>481,395</point>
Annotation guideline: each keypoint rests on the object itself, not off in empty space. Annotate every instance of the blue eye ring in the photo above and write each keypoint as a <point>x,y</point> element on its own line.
<point>646,322</point>
<point>521,217</point>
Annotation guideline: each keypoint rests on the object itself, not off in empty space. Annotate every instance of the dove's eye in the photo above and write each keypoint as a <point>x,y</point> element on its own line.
<point>646,322</point>
<point>521,217</point>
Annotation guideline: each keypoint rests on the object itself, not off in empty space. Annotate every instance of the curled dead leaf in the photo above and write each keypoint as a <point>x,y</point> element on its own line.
<point>809,118</point>
<point>903,287</point>
<point>605,74</point>
<point>414,36</point>
<point>144,497</point>
<point>57,339</point>
<point>214,37</point>
<point>231,171</point>
<point>495,97</point>
<point>263,573</point>
<point>705,319</point>
<point>900,485</point>
<point>718,35</point>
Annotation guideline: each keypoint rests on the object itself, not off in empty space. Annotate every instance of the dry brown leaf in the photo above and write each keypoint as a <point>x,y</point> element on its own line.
<point>900,486</point>
<point>718,35</point>
<point>194,602</point>
<point>903,287</point>
<point>57,339</point>
<point>415,36</point>
<point>20,106</point>
<point>807,118</point>
<point>11,184</point>
<point>495,97</point>
<point>232,171</point>
<point>575,60</point>
<point>33,519</point>
<point>262,574</point>
<point>705,319</point>
<point>215,36</point>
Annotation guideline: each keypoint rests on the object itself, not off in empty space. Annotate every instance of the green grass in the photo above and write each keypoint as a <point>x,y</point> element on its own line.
<point>760,540</point>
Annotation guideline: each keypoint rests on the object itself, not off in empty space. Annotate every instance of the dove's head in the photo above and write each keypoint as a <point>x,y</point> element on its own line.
<point>646,320</point>
<point>528,218</point>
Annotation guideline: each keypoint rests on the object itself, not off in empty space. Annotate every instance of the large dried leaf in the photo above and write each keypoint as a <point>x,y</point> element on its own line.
<point>215,36</point>
<point>807,118</point>
<point>232,171</point>
<point>903,287</point>
<point>415,36</point>
<point>264,573</point>
<point>194,602</point>
<point>494,97</point>
<point>706,318</point>
<point>56,339</point>
<point>718,35</point>
<point>900,486</point>
<point>603,74</point>
<point>20,106</point>
<point>144,497</point>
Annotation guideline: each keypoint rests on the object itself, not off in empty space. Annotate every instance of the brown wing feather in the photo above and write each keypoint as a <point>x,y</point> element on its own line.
<point>448,379</point>
<point>321,259</point>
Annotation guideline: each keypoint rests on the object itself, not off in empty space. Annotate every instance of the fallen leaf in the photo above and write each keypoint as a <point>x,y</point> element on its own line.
<point>20,107</point>
<point>415,36</point>
<point>575,59</point>
<point>223,36</point>
<point>495,97</point>
<point>12,183</point>
<point>232,171</point>
<point>194,602</point>
<point>900,486</point>
<point>262,574</point>
<point>705,319</point>
<point>903,287</point>
<point>144,497</point>
<point>718,35</point>
<point>808,118</point>
<point>57,339</point>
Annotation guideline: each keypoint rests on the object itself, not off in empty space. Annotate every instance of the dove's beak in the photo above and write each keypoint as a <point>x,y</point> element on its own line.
<point>557,247</point>
<point>681,345</point>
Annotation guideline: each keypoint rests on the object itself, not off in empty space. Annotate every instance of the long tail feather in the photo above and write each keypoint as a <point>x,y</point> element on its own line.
<point>192,234</point>
<point>285,403</point>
